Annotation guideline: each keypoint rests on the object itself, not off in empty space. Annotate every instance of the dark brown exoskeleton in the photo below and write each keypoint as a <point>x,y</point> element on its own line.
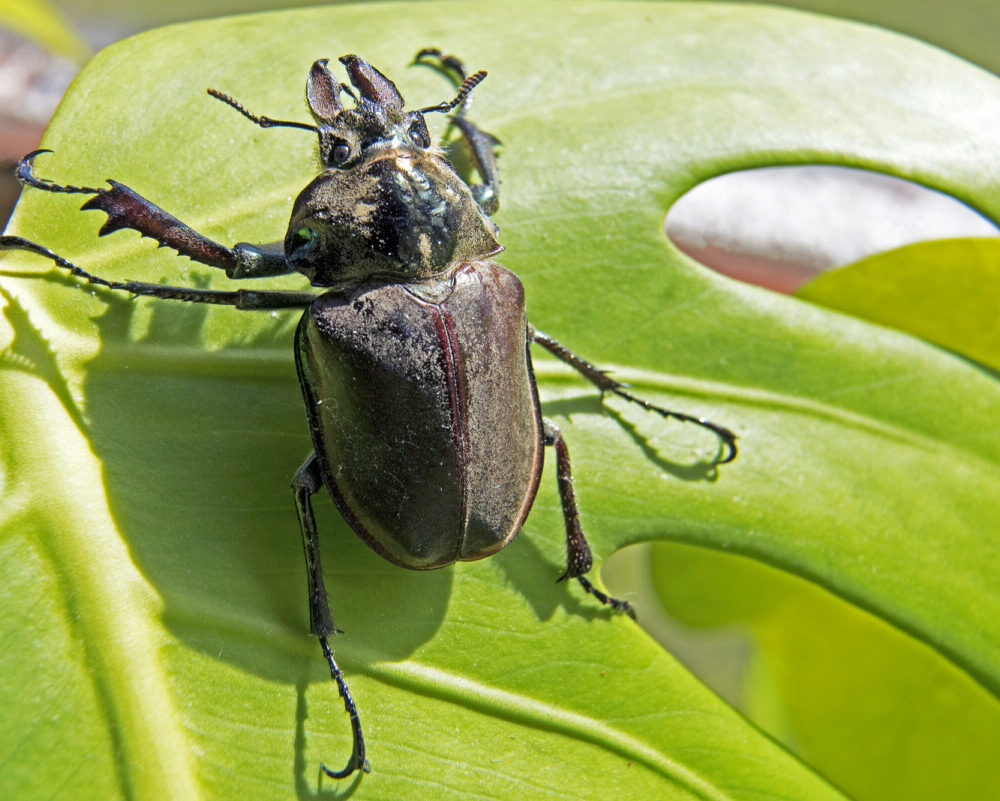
<point>414,361</point>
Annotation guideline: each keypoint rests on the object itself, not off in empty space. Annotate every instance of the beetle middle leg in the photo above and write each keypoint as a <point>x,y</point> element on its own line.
<point>578,557</point>
<point>243,299</point>
<point>605,383</point>
<point>307,482</point>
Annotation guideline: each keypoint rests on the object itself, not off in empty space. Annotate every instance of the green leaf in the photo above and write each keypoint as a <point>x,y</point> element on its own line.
<point>862,702</point>
<point>944,291</point>
<point>152,578</point>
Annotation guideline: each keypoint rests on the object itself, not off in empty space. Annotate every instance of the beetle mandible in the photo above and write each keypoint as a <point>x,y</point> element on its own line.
<point>415,357</point>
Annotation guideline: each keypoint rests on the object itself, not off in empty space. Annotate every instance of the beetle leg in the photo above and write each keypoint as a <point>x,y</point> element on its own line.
<point>244,299</point>
<point>307,482</point>
<point>483,147</point>
<point>481,144</point>
<point>447,64</point>
<point>578,557</point>
<point>603,382</point>
<point>128,209</point>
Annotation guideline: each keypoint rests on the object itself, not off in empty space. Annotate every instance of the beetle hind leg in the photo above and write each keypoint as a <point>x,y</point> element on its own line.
<point>578,557</point>
<point>307,482</point>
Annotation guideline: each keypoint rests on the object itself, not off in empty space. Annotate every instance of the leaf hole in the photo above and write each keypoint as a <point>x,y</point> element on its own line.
<point>779,227</point>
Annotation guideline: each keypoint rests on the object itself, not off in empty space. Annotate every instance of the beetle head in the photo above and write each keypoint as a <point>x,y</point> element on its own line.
<point>388,203</point>
<point>378,120</point>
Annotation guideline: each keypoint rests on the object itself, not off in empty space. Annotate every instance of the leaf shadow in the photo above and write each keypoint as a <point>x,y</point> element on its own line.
<point>537,579</point>
<point>31,353</point>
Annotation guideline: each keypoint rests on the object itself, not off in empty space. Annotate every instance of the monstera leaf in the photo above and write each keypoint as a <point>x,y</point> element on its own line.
<point>154,592</point>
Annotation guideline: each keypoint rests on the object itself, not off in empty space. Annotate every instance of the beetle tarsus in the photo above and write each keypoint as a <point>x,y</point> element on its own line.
<point>726,437</point>
<point>357,760</point>
<point>449,64</point>
<point>27,178</point>
<point>615,603</point>
<point>20,243</point>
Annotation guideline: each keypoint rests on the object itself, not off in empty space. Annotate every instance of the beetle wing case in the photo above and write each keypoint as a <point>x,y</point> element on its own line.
<point>424,412</point>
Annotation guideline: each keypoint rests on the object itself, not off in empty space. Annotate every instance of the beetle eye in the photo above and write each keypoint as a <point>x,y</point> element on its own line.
<point>418,137</point>
<point>303,241</point>
<point>339,154</point>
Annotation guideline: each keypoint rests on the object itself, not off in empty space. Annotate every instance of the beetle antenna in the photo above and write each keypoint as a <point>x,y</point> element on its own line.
<point>263,122</point>
<point>464,91</point>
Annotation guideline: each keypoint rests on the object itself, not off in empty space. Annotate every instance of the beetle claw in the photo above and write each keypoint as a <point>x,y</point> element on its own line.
<point>351,767</point>
<point>26,177</point>
<point>357,760</point>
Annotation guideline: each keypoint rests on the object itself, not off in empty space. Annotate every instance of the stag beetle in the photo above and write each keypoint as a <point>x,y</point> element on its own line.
<point>415,356</point>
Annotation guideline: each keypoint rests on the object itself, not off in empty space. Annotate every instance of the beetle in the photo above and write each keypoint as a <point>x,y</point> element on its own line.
<point>414,361</point>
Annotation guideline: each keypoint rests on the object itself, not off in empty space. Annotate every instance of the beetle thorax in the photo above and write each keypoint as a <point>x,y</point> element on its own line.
<point>400,213</point>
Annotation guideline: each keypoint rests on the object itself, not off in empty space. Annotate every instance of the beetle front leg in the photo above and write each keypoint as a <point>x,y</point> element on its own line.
<point>482,144</point>
<point>578,557</point>
<point>128,209</point>
<point>307,482</point>
<point>600,379</point>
